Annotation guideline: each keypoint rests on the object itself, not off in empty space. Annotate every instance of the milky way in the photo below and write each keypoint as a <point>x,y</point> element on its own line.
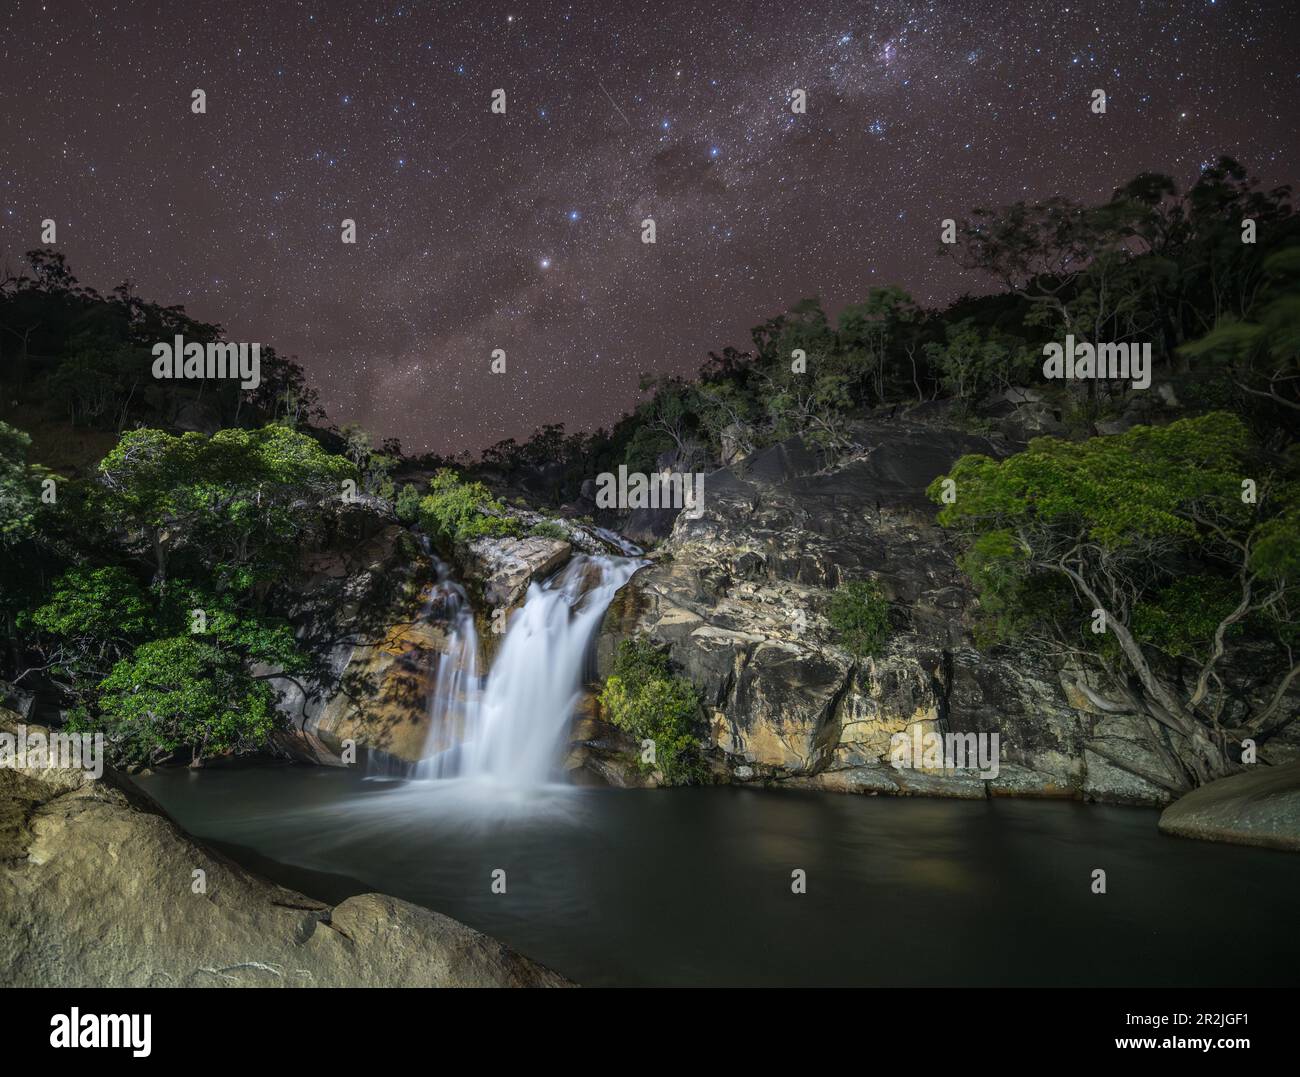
<point>522,231</point>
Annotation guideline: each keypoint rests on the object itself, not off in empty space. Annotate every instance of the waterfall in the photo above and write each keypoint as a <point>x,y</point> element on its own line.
<point>509,728</point>
<point>457,690</point>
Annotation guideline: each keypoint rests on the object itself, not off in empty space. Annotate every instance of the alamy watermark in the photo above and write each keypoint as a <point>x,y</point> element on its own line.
<point>77,1029</point>
<point>214,360</point>
<point>1084,361</point>
<point>660,490</point>
<point>914,750</point>
<point>37,750</point>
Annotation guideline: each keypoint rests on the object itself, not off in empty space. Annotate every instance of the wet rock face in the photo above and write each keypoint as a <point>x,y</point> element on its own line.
<point>740,594</point>
<point>360,614</point>
<point>97,889</point>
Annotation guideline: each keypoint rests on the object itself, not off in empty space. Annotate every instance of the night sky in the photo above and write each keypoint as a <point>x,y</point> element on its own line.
<point>479,231</point>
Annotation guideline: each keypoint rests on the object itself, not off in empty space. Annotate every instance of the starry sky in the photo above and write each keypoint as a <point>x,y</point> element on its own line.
<point>522,231</point>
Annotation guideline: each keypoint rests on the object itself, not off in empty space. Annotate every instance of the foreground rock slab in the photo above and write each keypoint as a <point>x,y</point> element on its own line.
<point>1260,807</point>
<point>97,889</point>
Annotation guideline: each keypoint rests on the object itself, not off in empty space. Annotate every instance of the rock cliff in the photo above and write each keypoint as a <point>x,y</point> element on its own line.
<point>739,596</point>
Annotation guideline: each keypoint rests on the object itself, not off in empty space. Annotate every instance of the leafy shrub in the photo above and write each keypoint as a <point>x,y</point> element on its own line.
<point>643,697</point>
<point>859,612</point>
<point>407,505</point>
<point>457,511</point>
<point>549,529</point>
<point>18,489</point>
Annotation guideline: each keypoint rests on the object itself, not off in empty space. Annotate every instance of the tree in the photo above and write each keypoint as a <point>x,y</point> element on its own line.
<point>859,613</point>
<point>373,465</point>
<point>18,485</point>
<point>726,414</point>
<point>973,363</point>
<point>182,693</point>
<point>670,416</point>
<point>1263,352</point>
<point>1064,536</point>
<point>644,697</point>
<point>815,410</point>
<point>455,511</point>
<point>91,620</point>
<point>885,320</point>
<point>238,502</point>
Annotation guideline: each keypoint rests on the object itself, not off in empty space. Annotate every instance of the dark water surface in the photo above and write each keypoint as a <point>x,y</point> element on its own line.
<point>693,886</point>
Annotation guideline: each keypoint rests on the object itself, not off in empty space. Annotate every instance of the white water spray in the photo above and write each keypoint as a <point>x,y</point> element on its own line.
<point>510,729</point>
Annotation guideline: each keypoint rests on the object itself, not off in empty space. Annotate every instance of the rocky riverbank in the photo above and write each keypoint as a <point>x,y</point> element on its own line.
<point>99,888</point>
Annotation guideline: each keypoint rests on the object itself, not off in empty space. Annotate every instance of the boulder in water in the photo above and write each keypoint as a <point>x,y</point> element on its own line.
<point>1259,807</point>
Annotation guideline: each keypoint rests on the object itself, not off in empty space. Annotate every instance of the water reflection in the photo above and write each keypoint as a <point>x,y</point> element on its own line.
<point>693,886</point>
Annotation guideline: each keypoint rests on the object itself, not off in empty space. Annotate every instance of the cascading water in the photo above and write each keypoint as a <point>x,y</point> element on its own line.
<point>458,688</point>
<point>509,729</point>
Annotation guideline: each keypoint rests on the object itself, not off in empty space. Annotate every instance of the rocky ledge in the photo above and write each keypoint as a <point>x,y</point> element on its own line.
<point>1260,807</point>
<point>504,567</point>
<point>98,889</point>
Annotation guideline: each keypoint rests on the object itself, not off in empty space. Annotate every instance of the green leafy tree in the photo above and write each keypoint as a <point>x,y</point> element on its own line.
<point>92,619</point>
<point>974,362</point>
<point>670,421</point>
<point>1064,533</point>
<point>551,529</point>
<point>407,505</point>
<point>644,697</point>
<point>727,417</point>
<point>239,502</point>
<point>455,511</point>
<point>372,464</point>
<point>19,501</point>
<point>182,693</point>
<point>1262,352</point>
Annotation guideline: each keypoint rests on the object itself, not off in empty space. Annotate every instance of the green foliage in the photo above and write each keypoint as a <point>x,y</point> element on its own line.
<point>1130,488</point>
<point>1127,509</point>
<point>256,638</point>
<point>859,612</point>
<point>238,503</point>
<point>92,616</point>
<point>18,486</point>
<point>407,505</point>
<point>1276,553</point>
<point>98,381</point>
<point>551,529</point>
<point>178,693</point>
<point>644,448</point>
<point>643,697</point>
<point>373,465</point>
<point>127,655</point>
<point>456,511</point>
<point>1262,353</point>
<point>1180,619</point>
<point>973,362</point>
